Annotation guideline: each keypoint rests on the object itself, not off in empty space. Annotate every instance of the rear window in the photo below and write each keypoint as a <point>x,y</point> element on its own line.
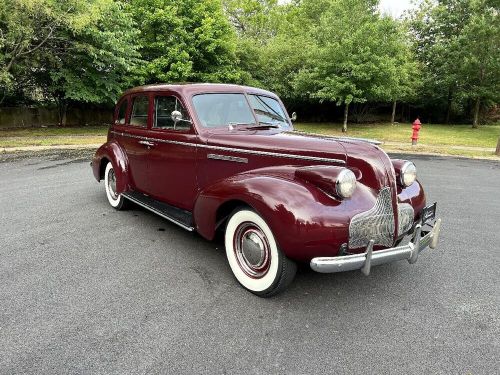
<point>122,112</point>
<point>140,108</point>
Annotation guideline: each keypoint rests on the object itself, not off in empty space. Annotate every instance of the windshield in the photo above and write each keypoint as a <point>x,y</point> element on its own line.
<point>268,110</point>
<point>217,110</point>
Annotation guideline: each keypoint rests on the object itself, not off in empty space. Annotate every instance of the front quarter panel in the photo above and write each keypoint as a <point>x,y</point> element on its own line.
<point>305,221</point>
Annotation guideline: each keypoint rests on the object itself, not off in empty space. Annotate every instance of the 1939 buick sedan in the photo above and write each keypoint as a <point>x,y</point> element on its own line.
<point>225,158</point>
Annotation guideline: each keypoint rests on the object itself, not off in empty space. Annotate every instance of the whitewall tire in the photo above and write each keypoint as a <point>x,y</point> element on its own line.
<point>117,201</point>
<point>253,254</point>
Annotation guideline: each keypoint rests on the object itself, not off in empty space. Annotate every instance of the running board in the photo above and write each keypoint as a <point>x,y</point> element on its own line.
<point>176,215</point>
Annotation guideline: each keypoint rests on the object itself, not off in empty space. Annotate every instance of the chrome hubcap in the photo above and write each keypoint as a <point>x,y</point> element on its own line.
<point>112,184</point>
<point>252,250</point>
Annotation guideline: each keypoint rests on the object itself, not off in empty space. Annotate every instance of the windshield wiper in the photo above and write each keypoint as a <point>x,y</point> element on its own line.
<point>269,114</point>
<point>232,125</point>
<point>264,125</point>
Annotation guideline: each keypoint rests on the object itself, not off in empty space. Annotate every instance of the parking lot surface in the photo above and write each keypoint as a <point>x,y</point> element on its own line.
<point>87,289</point>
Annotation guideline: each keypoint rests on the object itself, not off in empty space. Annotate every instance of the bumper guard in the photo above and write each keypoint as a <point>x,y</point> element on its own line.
<point>370,258</point>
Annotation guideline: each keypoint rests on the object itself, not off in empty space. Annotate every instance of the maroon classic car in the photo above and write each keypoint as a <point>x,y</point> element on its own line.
<point>226,158</point>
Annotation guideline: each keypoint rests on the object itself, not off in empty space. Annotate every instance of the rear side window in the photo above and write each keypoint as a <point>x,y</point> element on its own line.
<point>122,112</point>
<point>140,107</point>
<point>164,106</point>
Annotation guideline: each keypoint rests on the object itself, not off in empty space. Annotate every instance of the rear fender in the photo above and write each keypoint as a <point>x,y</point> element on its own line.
<point>112,152</point>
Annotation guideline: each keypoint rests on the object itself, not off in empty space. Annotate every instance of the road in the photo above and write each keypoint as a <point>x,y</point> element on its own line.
<point>86,289</point>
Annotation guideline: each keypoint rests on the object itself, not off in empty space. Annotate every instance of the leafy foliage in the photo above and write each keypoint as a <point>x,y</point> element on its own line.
<point>185,40</point>
<point>444,57</point>
<point>458,43</point>
<point>67,50</point>
<point>336,51</point>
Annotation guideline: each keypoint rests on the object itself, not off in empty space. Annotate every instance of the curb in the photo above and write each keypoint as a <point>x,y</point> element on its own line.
<point>7,150</point>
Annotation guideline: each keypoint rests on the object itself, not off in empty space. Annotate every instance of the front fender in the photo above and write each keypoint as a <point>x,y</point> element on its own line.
<point>113,152</point>
<point>415,196</point>
<point>305,221</point>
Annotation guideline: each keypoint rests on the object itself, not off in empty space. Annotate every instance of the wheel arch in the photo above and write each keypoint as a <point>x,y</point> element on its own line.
<point>290,208</point>
<point>225,209</point>
<point>112,152</point>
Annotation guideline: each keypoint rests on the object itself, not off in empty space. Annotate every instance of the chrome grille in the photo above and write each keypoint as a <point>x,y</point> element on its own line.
<point>375,224</point>
<point>378,223</point>
<point>405,218</point>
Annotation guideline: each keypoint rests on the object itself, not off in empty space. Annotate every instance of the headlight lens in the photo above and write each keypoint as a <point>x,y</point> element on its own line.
<point>346,184</point>
<point>408,173</point>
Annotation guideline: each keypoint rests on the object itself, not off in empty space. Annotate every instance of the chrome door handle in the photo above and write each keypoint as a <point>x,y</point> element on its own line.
<point>146,143</point>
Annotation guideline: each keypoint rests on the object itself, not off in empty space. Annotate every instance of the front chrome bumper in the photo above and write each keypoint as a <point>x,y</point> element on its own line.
<point>370,258</point>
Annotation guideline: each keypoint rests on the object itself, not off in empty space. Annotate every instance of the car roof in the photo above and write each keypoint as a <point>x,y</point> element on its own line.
<point>198,88</point>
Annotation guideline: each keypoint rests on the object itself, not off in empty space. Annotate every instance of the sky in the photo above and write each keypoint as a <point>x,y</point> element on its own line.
<point>396,7</point>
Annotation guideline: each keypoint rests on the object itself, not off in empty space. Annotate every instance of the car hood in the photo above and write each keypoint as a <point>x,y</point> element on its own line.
<point>291,143</point>
<point>373,165</point>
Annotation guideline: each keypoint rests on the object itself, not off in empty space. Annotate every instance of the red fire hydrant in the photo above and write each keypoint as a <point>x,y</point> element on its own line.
<point>416,128</point>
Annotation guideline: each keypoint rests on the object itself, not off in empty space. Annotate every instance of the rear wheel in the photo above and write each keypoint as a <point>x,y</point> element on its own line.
<point>254,257</point>
<point>117,201</point>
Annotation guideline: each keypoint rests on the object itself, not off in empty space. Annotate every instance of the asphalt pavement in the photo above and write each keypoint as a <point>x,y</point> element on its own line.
<point>87,289</point>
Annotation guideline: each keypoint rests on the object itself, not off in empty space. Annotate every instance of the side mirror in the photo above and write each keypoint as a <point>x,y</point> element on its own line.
<point>176,116</point>
<point>294,116</point>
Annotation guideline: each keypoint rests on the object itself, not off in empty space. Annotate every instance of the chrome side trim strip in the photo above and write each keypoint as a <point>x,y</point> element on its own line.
<point>152,209</point>
<point>238,150</point>
<point>330,137</point>
<point>227,158</point>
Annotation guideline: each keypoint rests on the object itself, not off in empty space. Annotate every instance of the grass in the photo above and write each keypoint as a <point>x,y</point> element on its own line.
<point>52,131</point>
<point>430,134</point>
<point>53,136</point>
<point>459,140</point>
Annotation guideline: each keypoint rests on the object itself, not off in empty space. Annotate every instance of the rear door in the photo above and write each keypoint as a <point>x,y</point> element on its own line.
<point>130,133</point>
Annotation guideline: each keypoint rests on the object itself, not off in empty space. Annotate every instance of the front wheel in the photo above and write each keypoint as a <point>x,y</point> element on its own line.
<point>254,257</point>
<point>117,201</point>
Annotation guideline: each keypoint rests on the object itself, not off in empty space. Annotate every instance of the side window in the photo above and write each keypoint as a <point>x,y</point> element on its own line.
<point>140,107</point>
<point>122,112</point>
<point>164,106</point>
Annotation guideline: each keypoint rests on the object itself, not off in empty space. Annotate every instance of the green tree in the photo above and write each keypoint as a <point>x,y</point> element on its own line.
<point>458,43</point>
<point>357,55</point>
<point>186,40</point>
<point>264,41</point>
<point>68,50</point>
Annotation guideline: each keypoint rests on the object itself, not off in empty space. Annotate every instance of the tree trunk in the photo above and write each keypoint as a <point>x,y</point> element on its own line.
<point>346,113</point>
<point>477,106</point>
<point>497,152</point>
<point>448,106</point>
<point>393,115</point>
<point>62,111</point>
<point>64,114</point>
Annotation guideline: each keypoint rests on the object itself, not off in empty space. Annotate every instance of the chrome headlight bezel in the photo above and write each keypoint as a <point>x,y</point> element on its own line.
<point>345,184</point>
<point>408,174</point>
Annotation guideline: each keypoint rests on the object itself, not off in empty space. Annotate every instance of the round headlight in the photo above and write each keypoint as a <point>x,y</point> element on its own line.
<point>346,184</point>
<point>408,173</point>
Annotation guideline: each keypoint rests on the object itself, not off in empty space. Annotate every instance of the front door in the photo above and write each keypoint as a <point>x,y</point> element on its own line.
<point>172,159</point>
